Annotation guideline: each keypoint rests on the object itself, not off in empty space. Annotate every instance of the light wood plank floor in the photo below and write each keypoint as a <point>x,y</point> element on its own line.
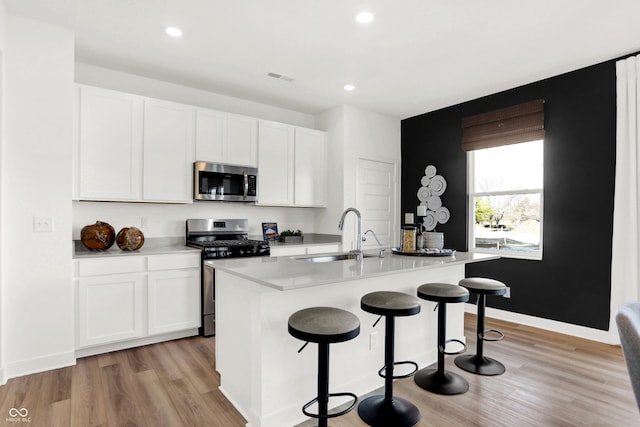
<point>551,380</point>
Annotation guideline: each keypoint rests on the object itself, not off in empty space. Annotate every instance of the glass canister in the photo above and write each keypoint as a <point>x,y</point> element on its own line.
<point>408,239</point>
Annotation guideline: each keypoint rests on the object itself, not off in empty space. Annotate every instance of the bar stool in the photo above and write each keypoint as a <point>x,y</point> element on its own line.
<point>437,380</point>
<point>324,325</point>
<point>387,410</point>
<point>479,363</point>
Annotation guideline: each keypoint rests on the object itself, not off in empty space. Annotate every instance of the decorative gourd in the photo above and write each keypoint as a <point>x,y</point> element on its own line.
<point>130,239</point>
<point>98,237</point>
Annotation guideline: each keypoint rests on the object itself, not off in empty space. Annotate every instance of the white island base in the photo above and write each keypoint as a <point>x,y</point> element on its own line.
<point>261,371</point>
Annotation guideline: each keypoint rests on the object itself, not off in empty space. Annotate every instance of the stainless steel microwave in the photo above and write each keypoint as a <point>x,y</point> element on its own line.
<point>227,183</point>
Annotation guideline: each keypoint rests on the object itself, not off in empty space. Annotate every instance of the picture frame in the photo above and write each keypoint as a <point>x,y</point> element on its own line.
<point>270,230</point>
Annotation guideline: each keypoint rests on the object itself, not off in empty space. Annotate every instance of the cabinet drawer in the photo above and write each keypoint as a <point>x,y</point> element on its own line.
<point>173,261</point>
<point>98,267</point>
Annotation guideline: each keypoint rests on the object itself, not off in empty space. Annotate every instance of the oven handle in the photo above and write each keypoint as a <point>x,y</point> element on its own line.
<point>246,185</point>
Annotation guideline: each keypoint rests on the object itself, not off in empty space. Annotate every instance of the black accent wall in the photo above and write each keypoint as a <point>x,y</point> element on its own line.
<point>572,283</point>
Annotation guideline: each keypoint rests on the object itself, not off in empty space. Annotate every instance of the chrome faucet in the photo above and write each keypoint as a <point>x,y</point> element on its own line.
<point>381,254</point>
<point>358,251</point>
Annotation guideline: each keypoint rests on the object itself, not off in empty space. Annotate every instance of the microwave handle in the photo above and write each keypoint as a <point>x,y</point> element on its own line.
<point>246,184</point>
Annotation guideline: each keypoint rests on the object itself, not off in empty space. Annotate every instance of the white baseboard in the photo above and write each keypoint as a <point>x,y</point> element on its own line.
<point>546,324</point>
<point>39,364</point>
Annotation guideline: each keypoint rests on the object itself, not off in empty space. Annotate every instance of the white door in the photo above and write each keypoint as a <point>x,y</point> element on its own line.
<point>376,200</point>
<point>275,163</point>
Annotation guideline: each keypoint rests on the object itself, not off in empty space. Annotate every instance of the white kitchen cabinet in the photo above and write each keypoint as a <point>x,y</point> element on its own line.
<point>310,167</point>
<point>292,165</point>
<point>108,145</point>
<point>174,301</point>
<point>275,163</point>
<point>168,152</point>
<point>226,138</point>
<point>110,308</point>
<point>123,301</point>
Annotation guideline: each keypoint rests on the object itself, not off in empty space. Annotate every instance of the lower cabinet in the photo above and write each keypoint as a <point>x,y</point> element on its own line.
<point>129,298</point>
<point>173,300</point>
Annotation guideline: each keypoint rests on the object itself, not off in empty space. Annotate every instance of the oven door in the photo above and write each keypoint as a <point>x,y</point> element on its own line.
<point>214,181</point>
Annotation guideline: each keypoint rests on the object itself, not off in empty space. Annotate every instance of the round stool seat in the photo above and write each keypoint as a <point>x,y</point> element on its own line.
<point>443,292</point>
<point>388,303</point>
<point>481,285</point>
<point>324,325</point>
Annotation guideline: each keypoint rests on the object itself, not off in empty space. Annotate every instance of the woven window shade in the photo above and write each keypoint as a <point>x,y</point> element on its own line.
<point>511,125</point>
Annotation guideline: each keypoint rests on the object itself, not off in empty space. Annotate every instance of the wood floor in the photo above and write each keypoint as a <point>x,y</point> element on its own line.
<point>551,380</point>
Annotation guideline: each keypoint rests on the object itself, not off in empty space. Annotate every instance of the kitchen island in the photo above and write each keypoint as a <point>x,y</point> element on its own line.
<point>261,371</point>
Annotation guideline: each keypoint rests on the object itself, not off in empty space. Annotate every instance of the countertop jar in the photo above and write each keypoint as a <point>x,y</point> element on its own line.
<point>408,243</point>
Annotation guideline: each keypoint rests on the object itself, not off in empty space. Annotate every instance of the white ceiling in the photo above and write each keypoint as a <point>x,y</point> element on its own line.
<point>417,55</point>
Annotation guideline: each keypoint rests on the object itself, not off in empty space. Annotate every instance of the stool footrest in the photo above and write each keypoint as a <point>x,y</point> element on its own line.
<point>383,371</point>
<point>442,349</point>
<point>336,414</point>
<point>499,337</point>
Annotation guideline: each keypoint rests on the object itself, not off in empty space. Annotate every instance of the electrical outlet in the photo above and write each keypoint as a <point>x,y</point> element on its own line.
<point>507,294</point>
<point>373,340</point>
<point>42,223</point>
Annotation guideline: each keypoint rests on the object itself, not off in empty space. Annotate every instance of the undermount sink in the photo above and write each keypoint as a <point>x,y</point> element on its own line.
<point>330,257</point>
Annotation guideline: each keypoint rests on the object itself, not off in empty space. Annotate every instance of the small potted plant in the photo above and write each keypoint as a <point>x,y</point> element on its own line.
<point>290,236</point>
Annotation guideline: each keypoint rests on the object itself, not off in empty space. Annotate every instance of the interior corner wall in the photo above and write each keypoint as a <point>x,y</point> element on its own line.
<point>38,304</point>
<point>572,283</point>
<point>354,133</point>
<point>3,26</point>
<point>332,121</point>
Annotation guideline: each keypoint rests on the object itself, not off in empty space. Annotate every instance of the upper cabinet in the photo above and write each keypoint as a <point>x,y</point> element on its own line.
<point>168,152</point>
<point>108,145</point>
<point>275,163</point>
<point>291,165</point>
<point>132,148</point>
<point>226,138</point>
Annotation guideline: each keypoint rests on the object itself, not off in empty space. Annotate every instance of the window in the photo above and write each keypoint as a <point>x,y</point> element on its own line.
<point>506,199</point>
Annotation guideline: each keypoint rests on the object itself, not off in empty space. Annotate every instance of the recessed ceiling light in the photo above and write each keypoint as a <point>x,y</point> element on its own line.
<point>364,17</point>
<point>173,31</point>
<point>349,87</point>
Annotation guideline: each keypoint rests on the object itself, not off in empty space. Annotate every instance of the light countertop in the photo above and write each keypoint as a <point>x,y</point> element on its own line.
<point>287,273</point>
<point>152,246</point>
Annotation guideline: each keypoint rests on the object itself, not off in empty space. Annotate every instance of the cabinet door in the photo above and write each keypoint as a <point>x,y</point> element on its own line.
<point>275,163</point>
<point>241,147</point>
<point>211,133</point>
<point>109,151</point>
<point>168,152</point>
<point>174,300</point>
<point>110,308</point>
<point>310,167</point>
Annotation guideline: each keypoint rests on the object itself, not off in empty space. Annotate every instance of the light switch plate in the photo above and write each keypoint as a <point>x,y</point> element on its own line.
<point>42,224</point>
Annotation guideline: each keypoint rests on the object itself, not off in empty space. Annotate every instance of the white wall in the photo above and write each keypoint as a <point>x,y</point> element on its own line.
<point>36,283</point>
<point>354,134</point>
<point>3,26</point>
<point>139,85</point>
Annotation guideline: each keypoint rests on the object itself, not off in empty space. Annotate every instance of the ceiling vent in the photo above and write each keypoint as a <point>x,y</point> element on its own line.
<point>280,77</point>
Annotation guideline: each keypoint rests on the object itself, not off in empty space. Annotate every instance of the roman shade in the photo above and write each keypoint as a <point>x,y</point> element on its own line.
<point>511,125</point>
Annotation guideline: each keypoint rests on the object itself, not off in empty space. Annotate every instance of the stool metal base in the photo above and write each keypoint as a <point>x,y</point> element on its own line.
<point>434,381</point>
<point>376,411</point>
<point>479,365</point>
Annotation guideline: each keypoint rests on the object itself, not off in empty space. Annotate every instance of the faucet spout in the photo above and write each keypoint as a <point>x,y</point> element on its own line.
<point>381,254</point>
<point>359,238</point>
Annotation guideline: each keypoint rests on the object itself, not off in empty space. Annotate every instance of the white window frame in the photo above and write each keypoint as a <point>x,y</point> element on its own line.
<point>472,214</point>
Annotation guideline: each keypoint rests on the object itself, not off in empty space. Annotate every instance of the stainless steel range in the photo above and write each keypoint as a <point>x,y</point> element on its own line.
<point>219,238</point>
